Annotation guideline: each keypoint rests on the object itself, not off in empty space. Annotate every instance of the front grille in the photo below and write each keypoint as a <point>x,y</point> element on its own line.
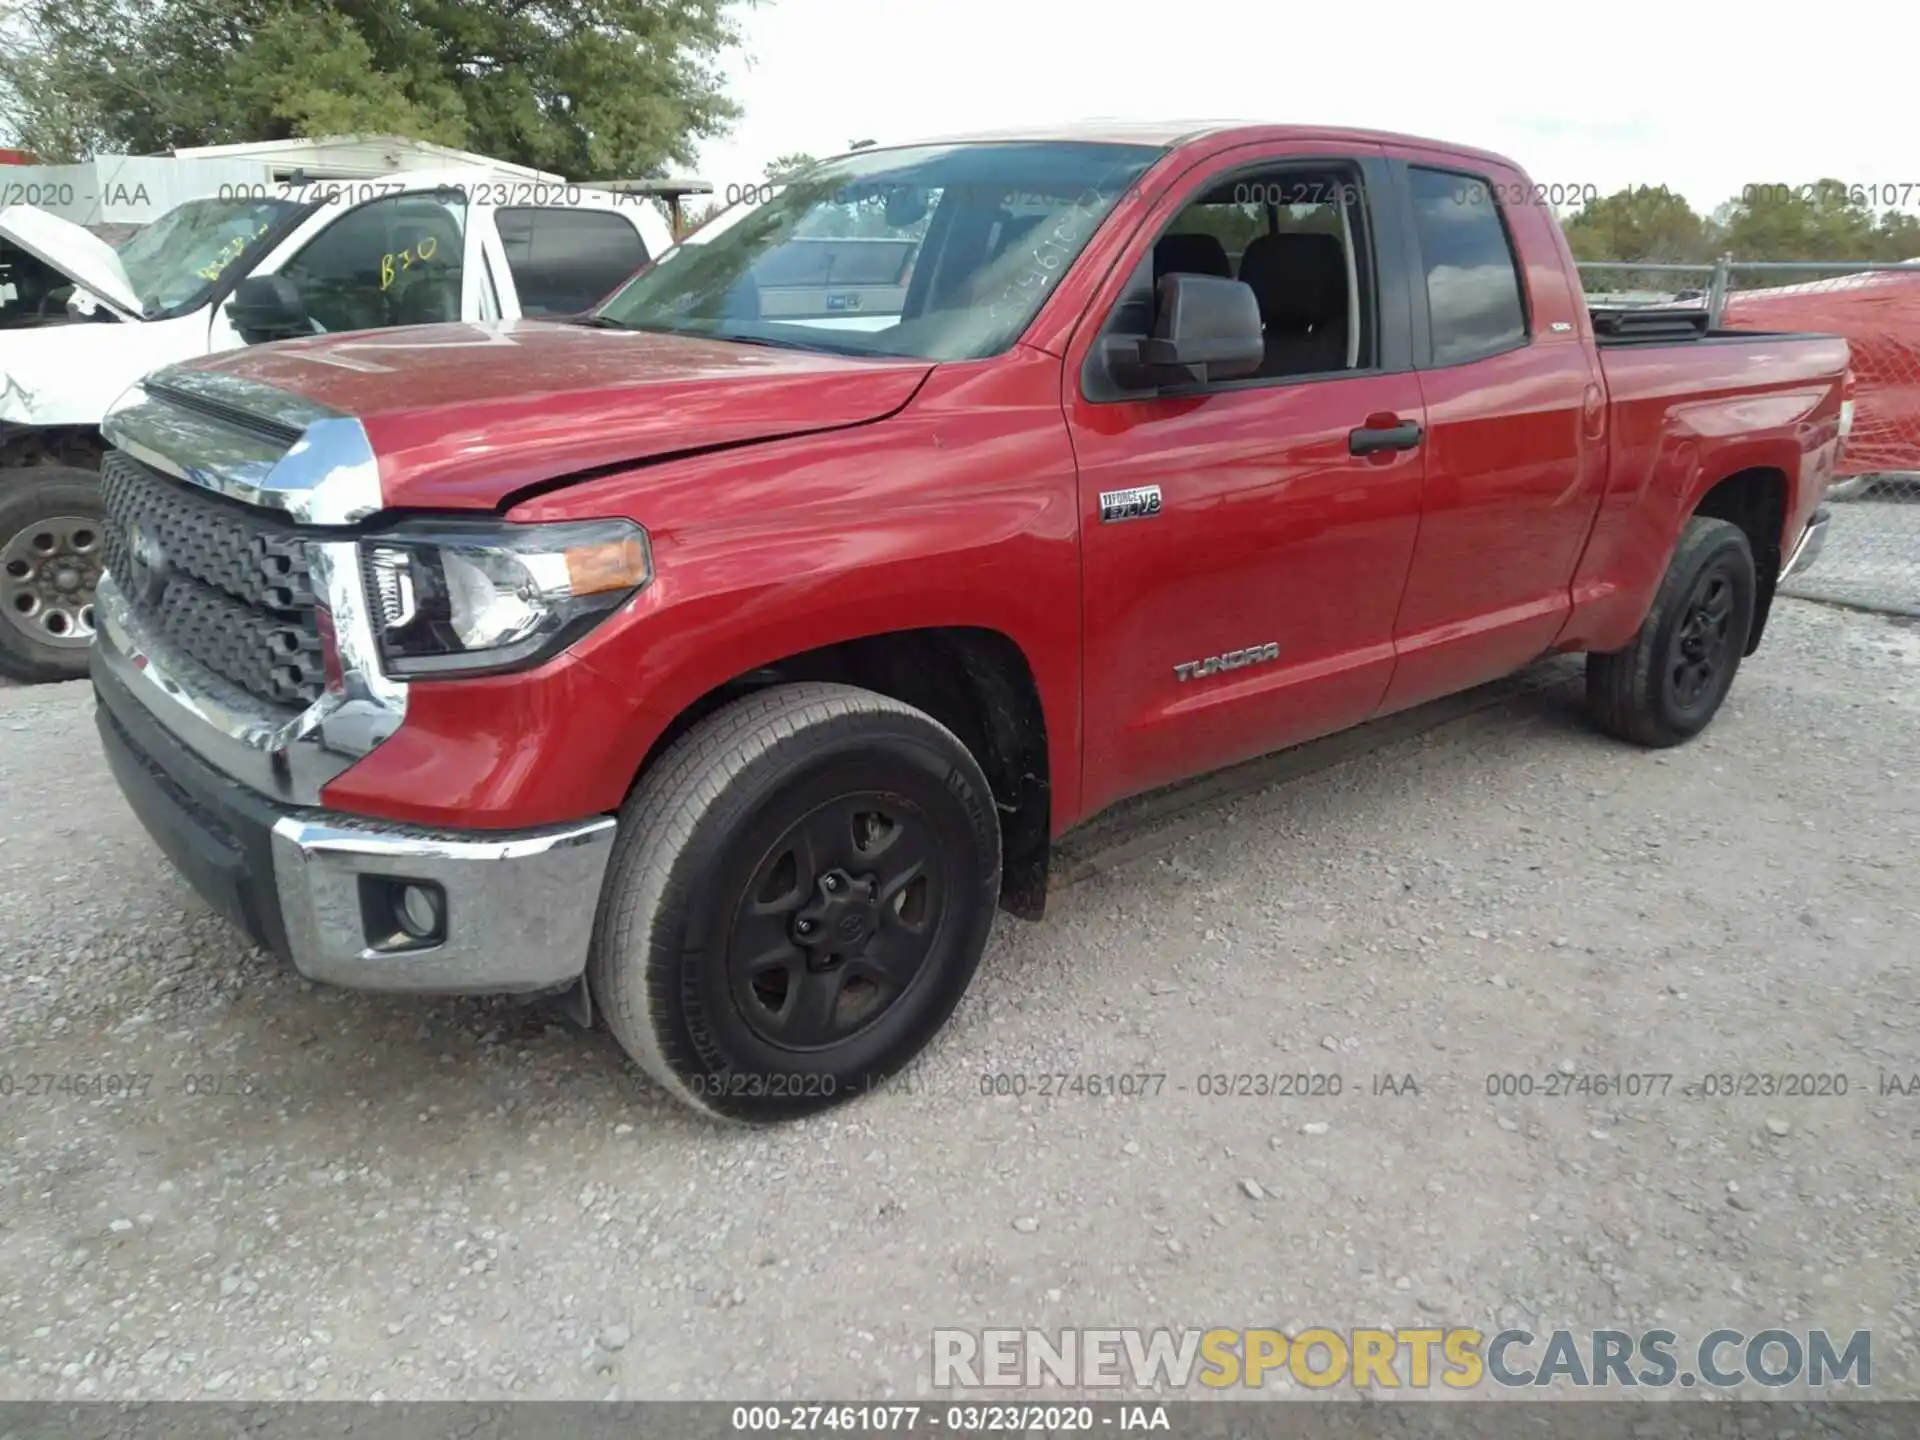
<point>237,596</point>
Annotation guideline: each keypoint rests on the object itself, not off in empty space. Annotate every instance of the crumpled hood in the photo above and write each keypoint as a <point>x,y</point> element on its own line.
<point>75,251</point>
<point>461,416</point>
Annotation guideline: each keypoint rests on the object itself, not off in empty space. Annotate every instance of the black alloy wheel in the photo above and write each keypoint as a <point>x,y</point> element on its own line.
<point>1703,641</point>
<point>837,921</point>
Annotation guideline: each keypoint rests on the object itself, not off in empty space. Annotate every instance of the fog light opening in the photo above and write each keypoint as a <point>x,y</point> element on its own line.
<point>421,911</point>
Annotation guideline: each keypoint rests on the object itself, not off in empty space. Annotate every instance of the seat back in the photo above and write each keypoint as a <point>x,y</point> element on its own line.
<point>1300,281</point>
<point>1190,255</point>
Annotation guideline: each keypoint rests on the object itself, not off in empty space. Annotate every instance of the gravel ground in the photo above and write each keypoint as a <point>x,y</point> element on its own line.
<point>367,1196</point>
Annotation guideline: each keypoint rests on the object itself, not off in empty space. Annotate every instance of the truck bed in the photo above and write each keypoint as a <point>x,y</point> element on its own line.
<point>1617,326</point>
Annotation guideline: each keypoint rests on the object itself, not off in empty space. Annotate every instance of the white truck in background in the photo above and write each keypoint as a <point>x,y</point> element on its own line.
<point>81,320</point>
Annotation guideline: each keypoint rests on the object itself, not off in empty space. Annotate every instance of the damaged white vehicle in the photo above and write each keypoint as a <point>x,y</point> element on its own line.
<point>81,320</point>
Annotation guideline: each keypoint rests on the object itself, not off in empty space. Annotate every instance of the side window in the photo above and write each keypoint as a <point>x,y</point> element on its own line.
<point>565,260</point>
<point>393,261</point>
<point>1473,282</point>
<point>1297,237</point>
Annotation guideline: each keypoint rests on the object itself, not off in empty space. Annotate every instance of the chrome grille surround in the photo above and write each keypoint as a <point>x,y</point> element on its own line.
<point>230,437</point>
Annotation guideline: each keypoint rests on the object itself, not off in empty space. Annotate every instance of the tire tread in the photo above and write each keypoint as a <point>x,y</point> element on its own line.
<point>657,822</point>
<point>1620,682</point>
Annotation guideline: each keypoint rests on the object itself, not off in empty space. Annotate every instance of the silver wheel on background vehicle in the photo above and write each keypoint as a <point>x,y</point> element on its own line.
<point>48,572</point>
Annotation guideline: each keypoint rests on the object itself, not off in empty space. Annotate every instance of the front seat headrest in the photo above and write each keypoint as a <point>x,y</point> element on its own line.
<point>1299,278</point>
<point>1189,254</point>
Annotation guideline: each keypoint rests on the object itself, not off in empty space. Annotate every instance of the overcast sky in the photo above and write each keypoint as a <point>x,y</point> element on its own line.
<point>1695,94</point>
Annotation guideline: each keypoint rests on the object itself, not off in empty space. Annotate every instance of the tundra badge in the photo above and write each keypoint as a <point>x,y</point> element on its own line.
<point>1142,502</point>
<point>1232,660</point>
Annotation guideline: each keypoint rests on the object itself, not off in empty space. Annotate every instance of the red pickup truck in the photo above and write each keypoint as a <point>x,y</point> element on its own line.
<point>722,672</point>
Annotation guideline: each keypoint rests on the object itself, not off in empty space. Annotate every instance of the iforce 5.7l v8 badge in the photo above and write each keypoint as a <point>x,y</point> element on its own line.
<point>1139,503</point>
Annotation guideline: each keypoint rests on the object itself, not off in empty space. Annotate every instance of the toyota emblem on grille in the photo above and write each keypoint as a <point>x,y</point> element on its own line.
<point>148,562</point>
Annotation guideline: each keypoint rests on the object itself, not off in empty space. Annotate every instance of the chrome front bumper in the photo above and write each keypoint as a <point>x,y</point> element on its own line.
<point>518,913</point>
<point>320,890</point>
<point>1807,550</point>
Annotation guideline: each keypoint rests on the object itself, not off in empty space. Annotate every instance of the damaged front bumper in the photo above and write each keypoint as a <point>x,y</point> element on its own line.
<point>359,902</point>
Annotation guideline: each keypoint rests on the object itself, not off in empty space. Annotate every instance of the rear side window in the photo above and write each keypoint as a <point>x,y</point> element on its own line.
<point>1473,284</point>
<point>565,260</point>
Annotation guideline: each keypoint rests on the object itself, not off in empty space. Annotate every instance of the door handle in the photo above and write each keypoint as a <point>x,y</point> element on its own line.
<point>1369,439</point>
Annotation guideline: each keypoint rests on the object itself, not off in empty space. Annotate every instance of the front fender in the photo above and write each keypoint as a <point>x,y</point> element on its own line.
<point>67,375</point>
<point>961,511</point>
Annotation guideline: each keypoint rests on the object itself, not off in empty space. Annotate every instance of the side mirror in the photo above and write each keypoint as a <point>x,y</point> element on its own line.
<point>1205,328</point>
<point>268,307</point>
<point>906,205</point>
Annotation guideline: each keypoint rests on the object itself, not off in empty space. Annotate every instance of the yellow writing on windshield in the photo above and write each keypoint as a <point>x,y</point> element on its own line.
<point>230,252</point>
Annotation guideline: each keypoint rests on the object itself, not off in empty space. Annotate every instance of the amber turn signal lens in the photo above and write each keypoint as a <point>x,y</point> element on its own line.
<point>612,565</point>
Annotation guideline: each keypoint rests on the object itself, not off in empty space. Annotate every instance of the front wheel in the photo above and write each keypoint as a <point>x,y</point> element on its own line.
<point>1667,684</point>
<point>50,562</point>
<point>800,893</point>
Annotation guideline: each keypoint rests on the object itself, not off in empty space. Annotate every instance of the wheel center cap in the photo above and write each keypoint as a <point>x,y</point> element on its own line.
<point>843,918</point>
<point>67,580</point>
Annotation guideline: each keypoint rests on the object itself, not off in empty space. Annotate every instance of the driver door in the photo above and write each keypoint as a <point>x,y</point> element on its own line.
<point>1246,603</point>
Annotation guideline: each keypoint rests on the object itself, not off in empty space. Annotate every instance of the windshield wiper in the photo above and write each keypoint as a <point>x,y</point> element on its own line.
<point>818,347</point>
<point>589,322</point>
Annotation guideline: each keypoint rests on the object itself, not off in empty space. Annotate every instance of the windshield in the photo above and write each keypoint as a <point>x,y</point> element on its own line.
<point>183,254</point>
<point>936,252</point>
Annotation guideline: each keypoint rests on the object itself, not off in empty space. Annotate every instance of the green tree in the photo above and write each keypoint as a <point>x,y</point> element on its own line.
<point>697,213</point>
<point>587,88</point>
<point>1820,221</point>
<point>782,166</point>
<point>1897,237</point>
<point>1641,224</point>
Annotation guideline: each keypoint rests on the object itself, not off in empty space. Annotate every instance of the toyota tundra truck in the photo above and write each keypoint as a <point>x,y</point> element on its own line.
<point>722,672</point>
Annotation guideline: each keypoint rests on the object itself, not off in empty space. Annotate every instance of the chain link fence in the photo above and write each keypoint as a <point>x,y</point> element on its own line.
<point>1872,554</point>
<point>1871,557</point>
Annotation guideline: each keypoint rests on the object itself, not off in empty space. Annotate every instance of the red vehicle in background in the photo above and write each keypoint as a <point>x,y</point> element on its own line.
<point>723,667</point>
<point>1879,313</point>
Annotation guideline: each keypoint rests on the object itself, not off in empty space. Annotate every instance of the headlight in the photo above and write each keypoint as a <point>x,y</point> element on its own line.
<point>474,597</point>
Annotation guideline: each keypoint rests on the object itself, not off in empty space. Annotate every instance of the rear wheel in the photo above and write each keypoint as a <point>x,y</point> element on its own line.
<point>1667,685</point>
<point>50,562</point>
<point>800,893</point>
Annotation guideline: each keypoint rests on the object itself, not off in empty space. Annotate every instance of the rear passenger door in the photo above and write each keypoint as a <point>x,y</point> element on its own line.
<point>562,261</point>
<point>1515,450</point>
<point>1283,507</point>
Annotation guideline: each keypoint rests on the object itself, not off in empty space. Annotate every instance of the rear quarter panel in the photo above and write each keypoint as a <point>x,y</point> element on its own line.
<point>1682,418</point>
